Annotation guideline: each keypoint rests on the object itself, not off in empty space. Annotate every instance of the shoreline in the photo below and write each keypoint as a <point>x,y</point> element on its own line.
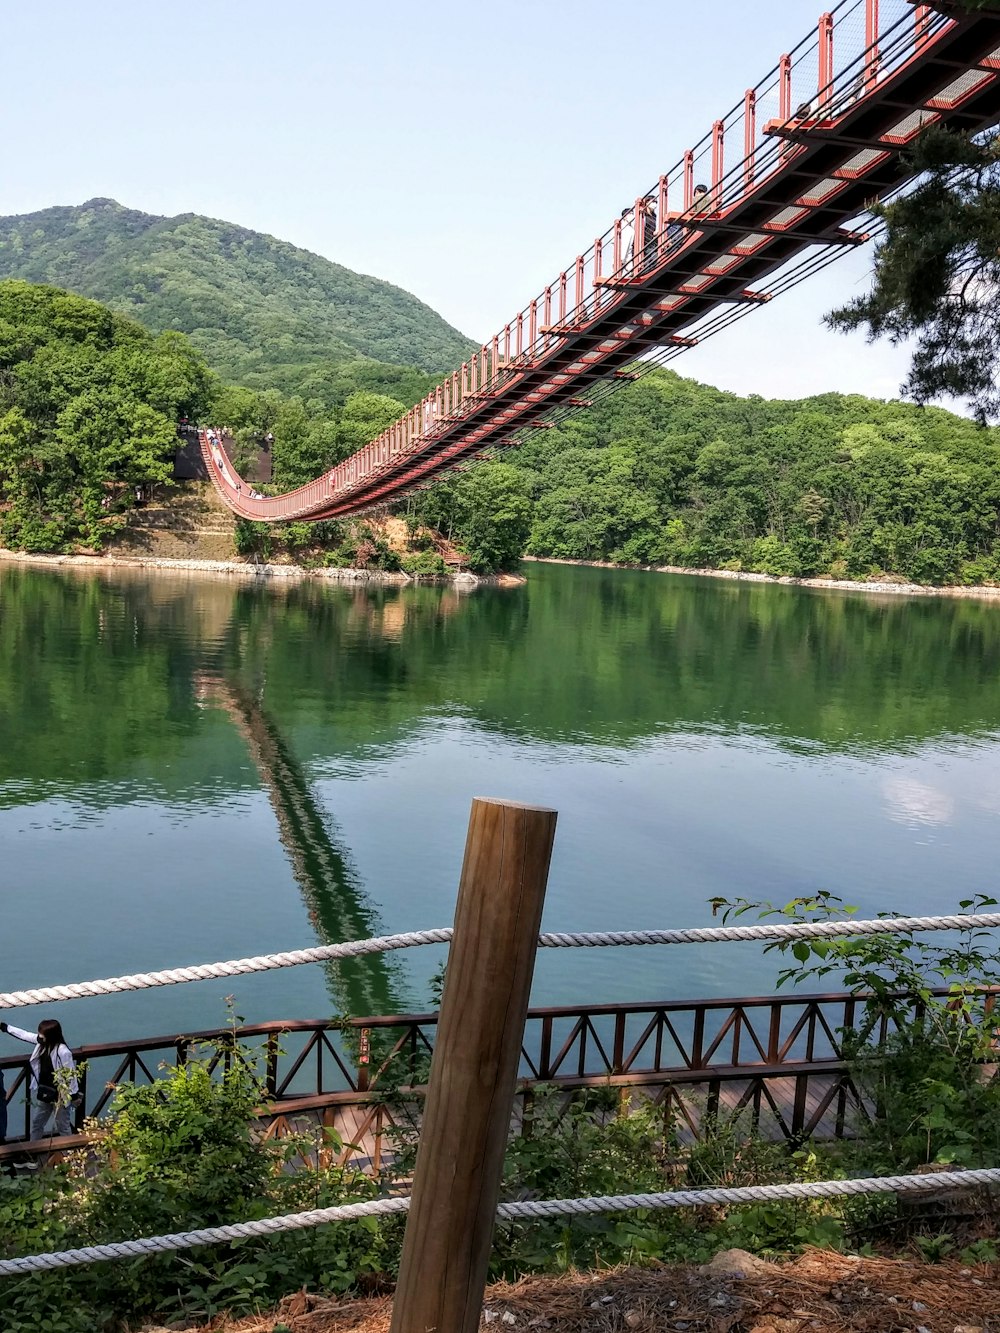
<point>467,581</point>
<point>982,591</point>
<point>241,569</point>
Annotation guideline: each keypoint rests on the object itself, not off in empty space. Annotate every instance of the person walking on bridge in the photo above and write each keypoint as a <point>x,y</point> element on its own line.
<point>701,202</point>
<point>53,1083</point>
<point>626,242</point>
<point>646,248</point>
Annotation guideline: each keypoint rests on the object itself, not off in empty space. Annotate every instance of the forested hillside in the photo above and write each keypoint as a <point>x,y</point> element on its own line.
<point>674,472</point>
<point>262,311</point>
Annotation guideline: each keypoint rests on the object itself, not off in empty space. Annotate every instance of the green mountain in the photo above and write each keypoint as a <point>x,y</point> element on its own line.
<point>262,311</point>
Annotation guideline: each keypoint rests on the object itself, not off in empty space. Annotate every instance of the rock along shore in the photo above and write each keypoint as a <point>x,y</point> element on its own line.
<point>242,569</point>
<point>464,579</point>
<point>984,591</point>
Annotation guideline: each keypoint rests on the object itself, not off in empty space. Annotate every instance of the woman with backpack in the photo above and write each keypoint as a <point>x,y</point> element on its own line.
<point>53,1076</point>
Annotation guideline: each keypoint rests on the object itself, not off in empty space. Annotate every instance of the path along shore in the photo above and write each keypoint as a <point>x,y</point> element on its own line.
<point>983,591</point>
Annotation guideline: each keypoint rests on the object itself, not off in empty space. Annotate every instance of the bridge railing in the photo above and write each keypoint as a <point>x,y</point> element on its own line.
<point>570,1046</point>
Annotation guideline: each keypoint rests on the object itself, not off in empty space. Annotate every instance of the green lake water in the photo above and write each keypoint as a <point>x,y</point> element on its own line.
<point>194,769</point>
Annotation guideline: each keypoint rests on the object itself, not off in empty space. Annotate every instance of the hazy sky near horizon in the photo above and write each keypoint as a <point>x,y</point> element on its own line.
<point>464,152</point>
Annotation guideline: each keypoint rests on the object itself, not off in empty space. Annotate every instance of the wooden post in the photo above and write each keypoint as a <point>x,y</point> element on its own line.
<point>467,1114</point>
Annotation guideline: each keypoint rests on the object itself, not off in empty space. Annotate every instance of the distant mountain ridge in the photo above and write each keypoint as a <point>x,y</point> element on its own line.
<point>250,302</point>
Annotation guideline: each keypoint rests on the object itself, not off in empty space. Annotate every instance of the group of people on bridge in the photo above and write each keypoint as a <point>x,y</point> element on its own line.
<point>639,234</point>
<point>219,456</point>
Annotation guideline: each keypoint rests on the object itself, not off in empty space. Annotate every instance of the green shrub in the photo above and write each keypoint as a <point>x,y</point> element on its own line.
<point>341,558</point>
<point>423,564</point>
<point>771,556</point>
<point>177,1155</point>
<point>297,535</point>
<point>252,538</point>
<point>934,1096</point>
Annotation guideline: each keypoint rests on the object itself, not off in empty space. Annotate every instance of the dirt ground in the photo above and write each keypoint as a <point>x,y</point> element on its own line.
<point>819,1292</point>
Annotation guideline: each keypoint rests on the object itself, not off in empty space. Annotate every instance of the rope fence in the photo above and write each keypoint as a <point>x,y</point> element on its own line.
<point>525,1210</point>
<point>771,933</point>
<point>521,1211</point>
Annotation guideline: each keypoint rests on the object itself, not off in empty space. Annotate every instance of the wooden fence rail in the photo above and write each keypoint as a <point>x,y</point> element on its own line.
<point>781,1056</point>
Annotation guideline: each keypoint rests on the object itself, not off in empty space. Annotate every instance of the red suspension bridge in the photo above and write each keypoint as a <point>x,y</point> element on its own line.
<point>778,189</point>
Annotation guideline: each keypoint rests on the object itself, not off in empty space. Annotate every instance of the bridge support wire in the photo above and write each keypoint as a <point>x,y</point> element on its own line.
<point>767,933</point>
<point>523,1211</point>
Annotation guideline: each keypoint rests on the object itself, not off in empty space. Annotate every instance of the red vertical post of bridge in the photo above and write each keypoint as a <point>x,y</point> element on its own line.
<point>785,88</point>
<point>661,217</point>
<point>718,162</point>
<point>871,44</point>
<point>466,1120</point>
<point>824,78</point>
<point>749,137</point>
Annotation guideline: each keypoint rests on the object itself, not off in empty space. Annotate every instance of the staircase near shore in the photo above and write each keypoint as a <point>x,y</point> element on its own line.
<point>184,521</point>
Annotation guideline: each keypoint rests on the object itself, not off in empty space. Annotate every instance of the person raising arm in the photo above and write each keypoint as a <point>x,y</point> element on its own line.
<point>53,1081</point>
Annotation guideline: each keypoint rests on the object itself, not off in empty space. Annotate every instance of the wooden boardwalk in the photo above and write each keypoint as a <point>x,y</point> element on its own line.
<point>774,1063</point>
<point>366,1135</point>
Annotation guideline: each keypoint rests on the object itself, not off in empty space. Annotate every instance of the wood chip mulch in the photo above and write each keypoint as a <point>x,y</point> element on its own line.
<point>819,1292</point>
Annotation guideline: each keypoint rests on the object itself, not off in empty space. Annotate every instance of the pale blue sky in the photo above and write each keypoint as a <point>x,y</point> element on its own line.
<point>464,151</point>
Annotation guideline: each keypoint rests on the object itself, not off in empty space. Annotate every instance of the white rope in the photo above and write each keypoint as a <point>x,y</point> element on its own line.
<point>183,1240</point>
<point>816,1189</point>
<point>805,930</point>
<point>507,1212</point>
<point>235,967</point>
<point>799,930</point>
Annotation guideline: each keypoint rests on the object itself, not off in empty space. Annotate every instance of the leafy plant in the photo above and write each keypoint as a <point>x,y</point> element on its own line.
<point>423,564</point>
<point>935,1248</point>
<point>253,539</point>
<point>919,1056</point>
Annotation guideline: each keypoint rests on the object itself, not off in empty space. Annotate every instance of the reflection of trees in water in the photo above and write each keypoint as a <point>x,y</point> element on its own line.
<point>616,657</point>
<point>334,897</point>
<point>95,671</point>
<point>95,687</point>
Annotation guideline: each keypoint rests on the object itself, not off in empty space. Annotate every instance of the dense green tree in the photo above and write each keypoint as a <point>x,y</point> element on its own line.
<point>365,415</point>
<point>937,273</point>
<point>89,404</point>
<point>670,471</point>
<point>331,383</point>
<point>486,512</point>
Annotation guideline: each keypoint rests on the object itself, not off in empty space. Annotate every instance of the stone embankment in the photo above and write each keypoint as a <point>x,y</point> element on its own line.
<point>892,587</point>
<point>245,569</point>
<point>184,522</point>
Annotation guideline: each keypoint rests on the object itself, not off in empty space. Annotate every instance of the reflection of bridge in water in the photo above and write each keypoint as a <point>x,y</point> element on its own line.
<point>335,899</point>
